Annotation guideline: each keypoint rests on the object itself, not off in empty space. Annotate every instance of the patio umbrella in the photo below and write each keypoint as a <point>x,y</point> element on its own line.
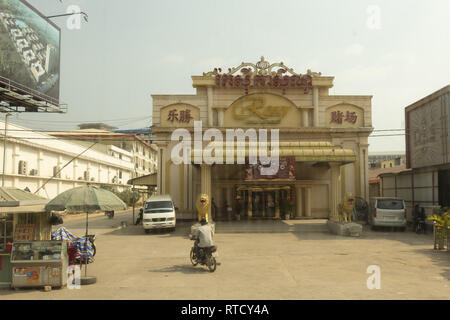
<point>86,199</point>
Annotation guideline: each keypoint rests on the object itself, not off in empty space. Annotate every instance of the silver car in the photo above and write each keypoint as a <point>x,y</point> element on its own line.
<point>387,212</point>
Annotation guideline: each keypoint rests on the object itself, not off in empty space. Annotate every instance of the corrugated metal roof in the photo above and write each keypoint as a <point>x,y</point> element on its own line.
<point>12,197</point>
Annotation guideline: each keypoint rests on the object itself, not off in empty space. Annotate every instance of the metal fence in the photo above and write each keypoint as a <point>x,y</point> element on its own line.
<point>441,237</point>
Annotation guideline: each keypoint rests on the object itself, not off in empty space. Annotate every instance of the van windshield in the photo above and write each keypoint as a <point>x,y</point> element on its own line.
<point>390,204</point>
<point>158,206</point>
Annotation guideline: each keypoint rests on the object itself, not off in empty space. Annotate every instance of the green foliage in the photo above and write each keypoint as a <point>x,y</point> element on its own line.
<point>442,219</point>
<point>129,197</point>
<point>126,195</point>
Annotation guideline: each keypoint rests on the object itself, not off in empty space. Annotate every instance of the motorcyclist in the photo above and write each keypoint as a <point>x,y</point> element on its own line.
<point>140,217</point>
<point>205,235</point>
<point>418,216</point>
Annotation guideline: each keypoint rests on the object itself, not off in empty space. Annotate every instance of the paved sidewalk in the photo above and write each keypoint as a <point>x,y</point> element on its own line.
<point>289,262</point>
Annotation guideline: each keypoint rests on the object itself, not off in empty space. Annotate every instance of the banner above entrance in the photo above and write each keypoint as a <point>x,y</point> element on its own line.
<point>286,170</point>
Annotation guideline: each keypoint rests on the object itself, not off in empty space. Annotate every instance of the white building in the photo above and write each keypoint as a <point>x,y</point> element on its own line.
<point>119,145</point>
<point>32,158</point>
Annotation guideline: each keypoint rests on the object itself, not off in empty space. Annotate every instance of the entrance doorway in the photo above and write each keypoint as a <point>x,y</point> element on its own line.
<point>265,202</point>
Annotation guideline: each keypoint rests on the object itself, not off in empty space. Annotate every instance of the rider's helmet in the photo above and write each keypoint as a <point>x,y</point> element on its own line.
<point>203,222</point>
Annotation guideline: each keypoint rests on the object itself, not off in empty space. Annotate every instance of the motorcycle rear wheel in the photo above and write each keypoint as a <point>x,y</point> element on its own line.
<point>193,258</point>
<point>212,264</point>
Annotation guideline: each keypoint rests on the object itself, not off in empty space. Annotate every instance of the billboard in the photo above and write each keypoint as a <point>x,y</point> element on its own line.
<point>427,130</point>
<point>29,51</point>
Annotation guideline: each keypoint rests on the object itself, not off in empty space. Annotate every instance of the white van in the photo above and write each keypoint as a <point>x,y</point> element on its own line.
<point>159,213</point>
<point>387,212</point>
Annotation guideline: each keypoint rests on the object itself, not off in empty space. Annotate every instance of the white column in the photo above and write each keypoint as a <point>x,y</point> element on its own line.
<point>308,202</point>
<point>363,160</point>
<point>335,187</point>
<point>15,161</point>
<point>40,158</point>
<point>316,106</point>
<point>210,103</point>
<point>75,171</point>
<point>220,116</point>
<point>364,172</point>
<point>305,118</point>
<point>186,186</point>
<point>299,198</point>
<point>160,173</point>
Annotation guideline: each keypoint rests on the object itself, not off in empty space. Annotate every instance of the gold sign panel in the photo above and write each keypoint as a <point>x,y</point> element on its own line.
<point>179,115</point>
<point>262,109</point>
<point>345,116</point>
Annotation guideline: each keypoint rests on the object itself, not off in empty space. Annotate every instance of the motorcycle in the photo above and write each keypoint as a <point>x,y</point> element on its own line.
<point>420,226</point>
<point>109,214</point>
<point>203,256</point>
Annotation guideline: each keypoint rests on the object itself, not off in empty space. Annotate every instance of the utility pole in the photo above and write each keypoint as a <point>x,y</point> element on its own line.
<point>4,148</point>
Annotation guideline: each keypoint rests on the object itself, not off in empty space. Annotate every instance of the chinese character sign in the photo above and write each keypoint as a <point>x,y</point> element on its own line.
<point>345,117</point>
<point>179,115</point>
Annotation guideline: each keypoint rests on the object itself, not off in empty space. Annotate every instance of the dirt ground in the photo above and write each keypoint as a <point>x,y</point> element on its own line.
<point>259,260</point>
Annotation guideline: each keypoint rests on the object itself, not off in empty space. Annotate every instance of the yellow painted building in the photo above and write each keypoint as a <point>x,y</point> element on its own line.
<point>323,140</point>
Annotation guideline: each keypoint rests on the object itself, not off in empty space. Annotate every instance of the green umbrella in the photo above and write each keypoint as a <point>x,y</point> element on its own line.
<point>86,199</point>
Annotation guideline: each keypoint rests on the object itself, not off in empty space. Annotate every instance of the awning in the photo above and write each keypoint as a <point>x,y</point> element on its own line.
<point>23,209</point>
<point>303,151</point>
<point>261,188</point>
<point>148,180</point>
<point>14,197</point>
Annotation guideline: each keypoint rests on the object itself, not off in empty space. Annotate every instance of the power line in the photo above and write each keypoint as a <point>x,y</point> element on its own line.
<point>81,121</point>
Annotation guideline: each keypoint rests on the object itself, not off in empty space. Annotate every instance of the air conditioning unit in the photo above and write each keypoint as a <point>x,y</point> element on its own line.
<point>86,175</point>
<point>56,172</point>
<point>23,167</point>
<point>34,172</point>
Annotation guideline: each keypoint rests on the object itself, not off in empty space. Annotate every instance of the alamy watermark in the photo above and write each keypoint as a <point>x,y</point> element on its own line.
<point>373,21</point>
<point>235,147</point>
<point>74,21</point>
<point>74,277</point>
<point>374,280</point>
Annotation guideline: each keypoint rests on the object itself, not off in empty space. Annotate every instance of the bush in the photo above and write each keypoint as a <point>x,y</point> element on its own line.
<point>126,195</point>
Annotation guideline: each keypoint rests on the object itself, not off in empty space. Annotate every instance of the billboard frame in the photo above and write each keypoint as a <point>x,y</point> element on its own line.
<point>15,97</point>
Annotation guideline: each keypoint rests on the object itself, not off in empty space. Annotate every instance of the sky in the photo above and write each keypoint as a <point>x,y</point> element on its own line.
<point>396,51</point>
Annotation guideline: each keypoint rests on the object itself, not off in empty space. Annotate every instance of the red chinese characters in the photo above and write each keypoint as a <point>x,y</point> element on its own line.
<point>351,117</point>
<point>262,81</point>
<point>184,116</point>
<point>338,117</point>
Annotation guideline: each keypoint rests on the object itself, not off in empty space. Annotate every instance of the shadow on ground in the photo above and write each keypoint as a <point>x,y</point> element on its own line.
<point>440,258</point>
<point>182,268</point>
<point>182,230</point>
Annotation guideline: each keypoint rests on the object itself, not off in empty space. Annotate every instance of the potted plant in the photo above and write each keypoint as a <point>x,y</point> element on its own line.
<point>441,228</point>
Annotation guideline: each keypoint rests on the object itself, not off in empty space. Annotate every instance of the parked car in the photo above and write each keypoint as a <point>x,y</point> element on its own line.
<point>387,212</point>
<point>159,213</point>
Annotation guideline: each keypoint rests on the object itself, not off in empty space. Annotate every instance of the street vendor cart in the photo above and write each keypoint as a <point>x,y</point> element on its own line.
<point>22,218</point>
<point>39,264</point>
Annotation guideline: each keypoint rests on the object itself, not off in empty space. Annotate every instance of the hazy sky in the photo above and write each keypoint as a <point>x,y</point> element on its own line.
<point>131,49</point>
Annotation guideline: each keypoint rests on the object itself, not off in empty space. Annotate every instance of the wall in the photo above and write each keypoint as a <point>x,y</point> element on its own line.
<point>43,152</point>
<point>418,186</point>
